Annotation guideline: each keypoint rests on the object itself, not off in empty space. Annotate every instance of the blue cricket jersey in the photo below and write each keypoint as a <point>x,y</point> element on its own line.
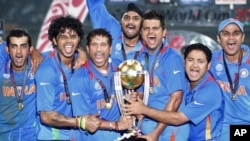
<point>3,54</point>
<point>17,124</point>
<point>51,96</point>
<point>88,98</point>
<point>204,107</point>
<point>101,18</point>
<point>168,76</point>
<point>237,111</point>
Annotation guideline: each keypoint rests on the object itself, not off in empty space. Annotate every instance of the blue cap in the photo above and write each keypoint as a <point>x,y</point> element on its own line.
<point>229,21</point>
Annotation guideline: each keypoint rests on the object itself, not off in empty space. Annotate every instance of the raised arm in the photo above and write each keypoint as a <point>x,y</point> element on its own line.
<point>36,59</point>
<point>100,16</point>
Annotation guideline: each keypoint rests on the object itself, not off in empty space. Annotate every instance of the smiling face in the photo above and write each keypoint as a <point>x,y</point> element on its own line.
<point>99,50</point>
<point>152,33</point>
<point>67,43</point>
<point>231,38</point>
<point>196,66</point>
<point>131,24</point>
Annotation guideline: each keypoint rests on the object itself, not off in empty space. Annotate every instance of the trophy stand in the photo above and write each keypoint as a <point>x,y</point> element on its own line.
<point>130,76</point>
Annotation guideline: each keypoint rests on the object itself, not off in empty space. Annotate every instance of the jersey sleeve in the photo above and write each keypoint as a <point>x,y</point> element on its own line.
<point>46,86</point>
<point>100,16</point>
<point>205,101</point>
<point>3,53</point>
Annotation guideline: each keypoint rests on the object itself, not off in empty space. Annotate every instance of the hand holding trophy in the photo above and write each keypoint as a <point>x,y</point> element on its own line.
<point>130,75</point>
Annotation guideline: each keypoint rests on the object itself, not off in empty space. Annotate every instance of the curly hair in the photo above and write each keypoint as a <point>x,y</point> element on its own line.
<point>60,24</point>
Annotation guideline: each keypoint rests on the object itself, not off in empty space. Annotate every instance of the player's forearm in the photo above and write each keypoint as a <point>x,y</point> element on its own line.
<point>159,128</point>
<point>36,58</point>
<point>52,118</point>
<point>174,101</point>
<point>109,125</point>
<point>170,113</point>
<point>172,105</point>
<point>167,117</point>
<point>35,52</point>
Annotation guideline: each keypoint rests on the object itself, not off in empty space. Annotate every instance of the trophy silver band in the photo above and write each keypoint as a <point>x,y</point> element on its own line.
<point>130,76</point>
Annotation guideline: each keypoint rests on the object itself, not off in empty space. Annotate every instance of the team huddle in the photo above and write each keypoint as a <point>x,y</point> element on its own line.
<point>69,94</point>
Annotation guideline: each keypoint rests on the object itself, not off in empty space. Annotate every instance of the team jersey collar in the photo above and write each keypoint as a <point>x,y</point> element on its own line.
<point>91,67</point>
<point>7,66</point>
<point>164,46</point>
<point>55,55</point>
<point>202,82</point>
<point>137,47</point>
<point>157,51</point>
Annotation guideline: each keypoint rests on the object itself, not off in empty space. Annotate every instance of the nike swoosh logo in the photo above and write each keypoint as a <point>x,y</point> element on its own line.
<point>74,94</point>
<point>197,103</point>
<point>43,83</point>
<point>176,71</point>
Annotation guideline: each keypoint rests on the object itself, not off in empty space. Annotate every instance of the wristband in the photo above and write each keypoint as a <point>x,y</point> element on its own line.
<point>82,122</point>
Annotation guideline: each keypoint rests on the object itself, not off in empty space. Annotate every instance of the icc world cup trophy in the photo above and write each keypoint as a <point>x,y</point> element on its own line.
<point>130,75</point>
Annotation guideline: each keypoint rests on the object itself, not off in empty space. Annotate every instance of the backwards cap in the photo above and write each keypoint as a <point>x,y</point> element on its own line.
<point>229,21</point>
<point>134,8</point>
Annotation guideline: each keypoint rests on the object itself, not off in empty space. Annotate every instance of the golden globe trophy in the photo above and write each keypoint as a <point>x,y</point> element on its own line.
<point>130,75</point>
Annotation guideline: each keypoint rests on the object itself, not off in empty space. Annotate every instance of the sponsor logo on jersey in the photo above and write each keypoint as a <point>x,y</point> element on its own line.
<point>44,83</point>
<point>97,86</point>
<point>244,73</point>
<point>176,71</point>
<point>75,93</point>
<point>118,47</point>
<point>219,67</point>
<point>197,103</point>
<point>6,75</point>
<point>31,75</point>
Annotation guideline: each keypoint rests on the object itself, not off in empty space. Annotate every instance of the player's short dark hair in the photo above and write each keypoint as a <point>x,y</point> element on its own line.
<point>200,47</point>
<point>18,32</point>
<point>99,32</point>
<point>156,15</point>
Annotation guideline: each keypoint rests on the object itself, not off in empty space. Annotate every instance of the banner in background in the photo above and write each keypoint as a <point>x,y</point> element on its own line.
<point>195,2</point>
<point>76,8</point>
<point>230,1</point>
<point>179,39</point>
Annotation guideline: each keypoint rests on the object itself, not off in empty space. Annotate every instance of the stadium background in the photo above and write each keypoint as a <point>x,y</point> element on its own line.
<point>188,21</point>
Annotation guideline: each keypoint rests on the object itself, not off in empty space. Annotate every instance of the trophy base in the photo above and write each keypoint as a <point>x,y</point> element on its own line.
<point>133,138</point>
<point>130,137</point>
